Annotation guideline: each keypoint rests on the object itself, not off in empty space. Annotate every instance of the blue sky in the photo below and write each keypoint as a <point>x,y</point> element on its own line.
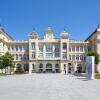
<point>79,17</point>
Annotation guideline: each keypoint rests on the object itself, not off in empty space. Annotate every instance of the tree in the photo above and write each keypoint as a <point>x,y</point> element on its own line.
<point>92,53</point>
<point>7,61</point>
<point>1,64</point>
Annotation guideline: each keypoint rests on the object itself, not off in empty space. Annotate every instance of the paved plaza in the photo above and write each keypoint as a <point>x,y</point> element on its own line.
<point>48,87</point>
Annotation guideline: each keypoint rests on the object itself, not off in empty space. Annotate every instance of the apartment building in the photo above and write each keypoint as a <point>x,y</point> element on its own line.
<point>48,54</point>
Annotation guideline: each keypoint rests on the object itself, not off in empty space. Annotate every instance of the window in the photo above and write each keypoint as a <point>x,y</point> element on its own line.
<point>81,48</point>
<point>27,57</point>
<point>56,48</point>
<point>64,54</point>
<point>57,66</point>
<point>77,57</point>
<point>41,48</point>
<point>40,54</point>
<point>8,48</point>
<point>84,58</point>
<point>16,56</point>
<point>69,48</point>
<point>40,65</point>
<point>69,57</point>
<point>57,54</point>
<point>16,47</point>
<point>27,47</point>
<point>81,57</point>
<point>64,45</point>
<point>12,48</point>
<point>73,57</point>
<point>77,48</point>
<point>20,48</point>
<point>64,66</point>
<point>33,55</point>
<point>73,48</point>
<point>49,55</point>
<point>12,56</point>
<point>33,46</point>
<point>24,57</point>
<point>48,48</point>
<point>20,56</point>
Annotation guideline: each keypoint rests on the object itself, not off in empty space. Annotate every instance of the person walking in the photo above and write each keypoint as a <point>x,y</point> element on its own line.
<point>65,72</point>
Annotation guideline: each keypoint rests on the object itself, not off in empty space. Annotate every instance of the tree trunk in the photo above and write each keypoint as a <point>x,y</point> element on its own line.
<point>10,70</point>
<point>6,70</point>
<point>2,71</point>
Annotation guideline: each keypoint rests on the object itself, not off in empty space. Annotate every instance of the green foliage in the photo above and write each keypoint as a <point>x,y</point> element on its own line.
<point>1,63</point>
<point>91,53</point>
<point>6,61</point>
<point>97,76</point>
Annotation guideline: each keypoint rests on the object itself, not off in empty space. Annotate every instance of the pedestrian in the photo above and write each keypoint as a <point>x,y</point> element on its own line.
<point>65,72</point>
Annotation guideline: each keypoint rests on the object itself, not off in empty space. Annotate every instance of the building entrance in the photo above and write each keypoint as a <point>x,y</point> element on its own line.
<point>49,68</point>
<point>70,68</point>
<point>40,68</point>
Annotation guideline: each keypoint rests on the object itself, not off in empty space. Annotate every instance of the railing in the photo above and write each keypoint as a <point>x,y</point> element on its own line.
<point>48,58</point>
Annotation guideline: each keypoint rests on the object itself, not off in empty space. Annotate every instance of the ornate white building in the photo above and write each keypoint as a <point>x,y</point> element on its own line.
<point>46,55</point>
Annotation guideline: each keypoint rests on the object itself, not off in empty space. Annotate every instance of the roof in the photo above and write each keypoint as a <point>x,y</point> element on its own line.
<point>96,30</point>
<point>91,35</point>
<point>6,34</point>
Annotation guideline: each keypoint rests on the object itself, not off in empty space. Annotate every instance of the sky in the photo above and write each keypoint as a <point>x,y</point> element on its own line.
<point>79,17</point>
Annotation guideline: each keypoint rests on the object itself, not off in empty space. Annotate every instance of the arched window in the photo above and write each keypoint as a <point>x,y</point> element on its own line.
<point>79,68</point>
<point>48,67</point>
<point>40,65</point>
<point>69,67</point>
<point>26,67</point>
<point>18,67</point>
<point>16,56</point>
<point>56,66</point>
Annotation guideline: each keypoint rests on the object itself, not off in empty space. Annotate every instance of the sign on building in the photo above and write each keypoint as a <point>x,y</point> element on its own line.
<point>90,67</point>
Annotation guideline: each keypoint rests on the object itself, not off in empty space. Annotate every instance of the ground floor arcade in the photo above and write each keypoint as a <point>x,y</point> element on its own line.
<point>51,67</point>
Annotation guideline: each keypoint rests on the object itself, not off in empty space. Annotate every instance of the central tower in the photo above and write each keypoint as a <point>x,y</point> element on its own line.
<point>49,34</point>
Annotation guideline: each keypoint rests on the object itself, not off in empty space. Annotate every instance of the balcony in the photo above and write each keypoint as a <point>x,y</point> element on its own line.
<point>49,56</point>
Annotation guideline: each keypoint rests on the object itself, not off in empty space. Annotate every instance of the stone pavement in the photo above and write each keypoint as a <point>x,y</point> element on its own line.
<point>48,87</point>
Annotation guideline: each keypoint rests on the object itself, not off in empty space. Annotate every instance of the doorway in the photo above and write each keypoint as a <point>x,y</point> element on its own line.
<point>49,68</point>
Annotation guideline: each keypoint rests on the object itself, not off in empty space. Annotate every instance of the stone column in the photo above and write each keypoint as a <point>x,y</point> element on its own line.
<point>53,67</point>
<point>22,65</point>
<point>30,68</point>
<point>68,50</point>
<point>37,50</point>
<point>44,66</point>
<point>66,68</point>
<point>44,50</point>
<point>37,66</point>
<point>53,51</point>
<point>60,49</point>
<point>83,68</point>
<point>75,67</point>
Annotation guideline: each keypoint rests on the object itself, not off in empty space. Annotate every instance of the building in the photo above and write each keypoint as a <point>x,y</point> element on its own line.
<point>48,54</point>
<point>94,44</point>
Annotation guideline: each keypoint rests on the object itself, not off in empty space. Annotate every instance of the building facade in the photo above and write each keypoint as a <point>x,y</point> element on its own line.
<point>48,54</point>
<point>94,45</point>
